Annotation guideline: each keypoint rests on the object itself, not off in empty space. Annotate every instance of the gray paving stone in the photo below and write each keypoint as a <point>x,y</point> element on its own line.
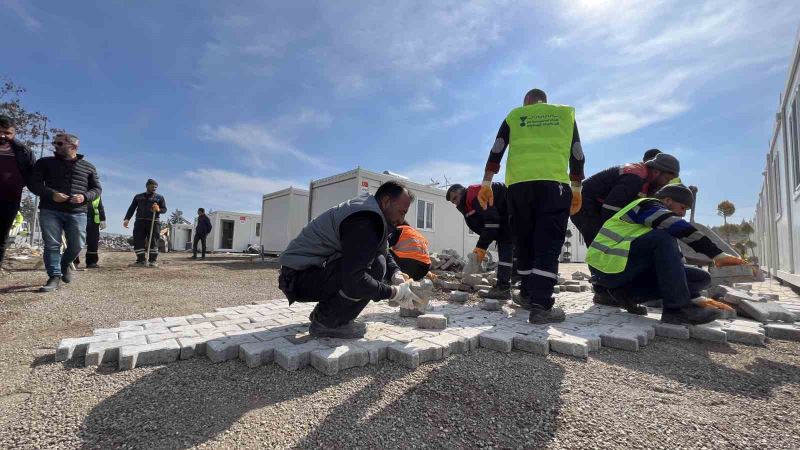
<point>708,332</point>
<point>568,345</point>
<point>766,311</point>
<point>745,335</point>
<point>432,322</point>
<point>227,348</point>
<point>117,329</point>
<point>412,354</point>
<point>490,304</point>
<point>407,312</point>
<point>331,360</point>
<point>672,331</point>
<point>167,322</point>
<point>133,356</point>
<point>450,343</point>
<point>499,341</point>
<point>69,348</point>
<point>296,356</point>
<point>196,346</point>
<point>472,335</point>
<point>782,331</point>
<point>537,344</point>
<point>196,327</point>
<point>167,336</point>
<point>621,340</point>
<point>255,354</point>
<point>127,323</point>
<point>108,351</point>
<point>377,348</point>
<point>459,296</point>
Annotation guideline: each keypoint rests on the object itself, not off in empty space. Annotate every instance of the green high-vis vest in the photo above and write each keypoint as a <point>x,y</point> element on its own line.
<point>609,251</point>
<point>96,207</point>
<point>676,180</point>
<point>541,141</point>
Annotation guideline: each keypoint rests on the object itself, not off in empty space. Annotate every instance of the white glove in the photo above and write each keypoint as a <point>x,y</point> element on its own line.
<point>403,297</point>
<point>103,225</point>
<point>398,278</point>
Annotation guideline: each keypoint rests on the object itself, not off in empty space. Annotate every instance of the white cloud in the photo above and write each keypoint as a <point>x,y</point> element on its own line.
<point>19,9</point>
<point>443,171</point>
<point>421,103</point>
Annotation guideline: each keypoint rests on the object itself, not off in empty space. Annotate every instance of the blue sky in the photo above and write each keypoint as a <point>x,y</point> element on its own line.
<point>222,102</point>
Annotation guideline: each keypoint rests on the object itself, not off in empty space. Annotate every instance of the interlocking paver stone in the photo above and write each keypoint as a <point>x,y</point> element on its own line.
<point>432,322</point>
<point>274,332</point>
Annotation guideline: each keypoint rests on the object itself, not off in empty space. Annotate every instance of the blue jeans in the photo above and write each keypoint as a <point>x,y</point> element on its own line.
<point>53,224</point>
<point>655,270</point>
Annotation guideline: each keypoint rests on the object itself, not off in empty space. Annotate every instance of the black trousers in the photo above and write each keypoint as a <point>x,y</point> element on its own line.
<point>92,243</point>
<point>8,212</point>
<point>411,267</point>
<point>505,267</point>
<point>323,285</point>
<point>538,212</point>
<point>588,224</point>
<point>202,241</point>
<point>140,230</point>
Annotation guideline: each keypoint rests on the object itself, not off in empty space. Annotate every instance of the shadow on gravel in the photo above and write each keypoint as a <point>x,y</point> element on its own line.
<point>247,265</point>
<point>466,402</point>
<point>689,362</point>
<point>20,288</point>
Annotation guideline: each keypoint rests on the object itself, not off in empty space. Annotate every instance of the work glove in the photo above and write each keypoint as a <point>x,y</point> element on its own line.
<point>155,208</point>
<point>725,259</point>
<point>479,254</point>
<point>399,278</point>
<point>486,195</point>
<point>577,200</point>
<point>709,303</point>
<point>403,297</point>
<point>103,225</point>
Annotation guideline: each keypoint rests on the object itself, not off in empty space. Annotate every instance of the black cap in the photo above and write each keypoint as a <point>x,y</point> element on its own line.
<point>151,181</point>
<point>665,163</point>
<point>451,189</point>
<point>677,192</point>
<point>650,154</point>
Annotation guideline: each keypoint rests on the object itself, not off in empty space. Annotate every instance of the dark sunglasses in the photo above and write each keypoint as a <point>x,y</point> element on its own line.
<point>59,143</point>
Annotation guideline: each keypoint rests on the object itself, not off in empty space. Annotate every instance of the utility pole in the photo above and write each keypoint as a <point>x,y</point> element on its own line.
<point>36,197</point>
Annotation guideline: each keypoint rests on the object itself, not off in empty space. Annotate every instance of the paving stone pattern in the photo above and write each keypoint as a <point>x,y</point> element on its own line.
<point>274,332</point>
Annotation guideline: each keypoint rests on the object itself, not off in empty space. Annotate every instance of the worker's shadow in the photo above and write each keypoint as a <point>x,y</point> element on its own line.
<point>690,362</point>
<point>190,402</point>
<point>247,265</point>
<point>20,288</point>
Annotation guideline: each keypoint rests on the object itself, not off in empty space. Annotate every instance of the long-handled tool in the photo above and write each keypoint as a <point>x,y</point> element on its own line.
<point>150,237</point>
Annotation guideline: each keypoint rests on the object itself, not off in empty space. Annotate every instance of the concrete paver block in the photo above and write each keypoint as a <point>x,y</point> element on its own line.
<point>672,331</point>
<point>296,356</point>
<point>331,360</point>
<point>255,354</point>
<point>766,311</point>
<point>568,345</point>
<point>490,304</point>
<point>708,332</point>
<point>620,340</point>
<point>127,323</point>
<point>133,356</point>
<point>227,348</point>
<point>782,331</point>
<point>745,335</point>
<point>196,346</point>
<point>499,341</point>
<point>377,348</point>
<point>108,351</point>
<point>117,329</point>
<point>450,343</point>
<point>459,296</point>
<point>432,322</point>
<point>412,354</point>
<point>408,312</point>
<point>69,348</point>
<point>532,343</point>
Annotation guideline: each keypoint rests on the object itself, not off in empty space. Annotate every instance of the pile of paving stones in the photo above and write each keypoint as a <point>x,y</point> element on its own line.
<point>275,332</point>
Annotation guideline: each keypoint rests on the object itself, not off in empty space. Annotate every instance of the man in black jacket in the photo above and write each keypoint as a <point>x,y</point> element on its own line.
<point>16,165</point>
<point>148,206</point>
<point>491,224</point>
<point>201,232</point>
<point>65,183</point>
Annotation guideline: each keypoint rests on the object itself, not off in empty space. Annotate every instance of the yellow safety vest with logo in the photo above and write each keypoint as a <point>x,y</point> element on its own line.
<point>609,251</point>
<point>96,207</point>
<point>541,141</point>
<point>676,180</point>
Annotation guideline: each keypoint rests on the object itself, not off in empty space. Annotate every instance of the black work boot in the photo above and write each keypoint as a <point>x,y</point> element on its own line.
<point>521,300</point>
<point>498,292</point>
<point>540,315</point>
<point>92,266</point>
<point>66,273</point>
<point>602,296</point>
<point>638,310</point>
<point>690,315</point>
<point>53,283</point>
<point>350,330</point>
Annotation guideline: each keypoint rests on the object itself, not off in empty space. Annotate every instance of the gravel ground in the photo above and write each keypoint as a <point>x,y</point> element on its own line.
<point>671,394</point>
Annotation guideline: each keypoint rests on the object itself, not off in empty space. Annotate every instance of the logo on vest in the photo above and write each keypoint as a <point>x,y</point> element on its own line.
<point>522,120</point>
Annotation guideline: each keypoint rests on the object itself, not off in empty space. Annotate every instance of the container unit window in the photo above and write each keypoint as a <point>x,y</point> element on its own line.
<point>424,215</point>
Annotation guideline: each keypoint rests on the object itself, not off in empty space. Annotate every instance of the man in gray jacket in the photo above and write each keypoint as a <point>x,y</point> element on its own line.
<point>341,260</point>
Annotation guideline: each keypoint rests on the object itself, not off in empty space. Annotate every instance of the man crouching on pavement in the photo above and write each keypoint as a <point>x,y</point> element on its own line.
<point>341,260</point>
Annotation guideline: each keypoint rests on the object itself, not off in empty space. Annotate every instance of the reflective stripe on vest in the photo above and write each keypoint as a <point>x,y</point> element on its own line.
<point>96,207</point>
<point>676,180</point>
<point>541,141</point>
<point>412,245</point>
<point>609,251</point>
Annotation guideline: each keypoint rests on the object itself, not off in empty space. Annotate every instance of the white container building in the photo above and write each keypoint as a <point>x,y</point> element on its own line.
<point>233,232</point>
<point>777,217</point>
<point>283,215</point>
<point>180,236</point>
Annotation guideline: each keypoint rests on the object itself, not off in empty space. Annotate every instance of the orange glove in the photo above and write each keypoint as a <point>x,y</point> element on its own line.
<point>724,259</point>
<point>708,303</point>
<point>486,195</point>
<point>577,200</point>
<point>155,208</point>
<point>479,254</point>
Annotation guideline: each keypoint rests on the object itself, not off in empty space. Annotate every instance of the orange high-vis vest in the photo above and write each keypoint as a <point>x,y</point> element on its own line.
<point>412,245</point>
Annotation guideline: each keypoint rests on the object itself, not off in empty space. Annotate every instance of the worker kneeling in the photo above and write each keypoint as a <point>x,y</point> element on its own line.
<point>341,260</point>
<point>636,254</point>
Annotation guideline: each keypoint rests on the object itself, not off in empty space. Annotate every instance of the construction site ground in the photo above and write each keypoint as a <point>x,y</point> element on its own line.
<point>670,393</point>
